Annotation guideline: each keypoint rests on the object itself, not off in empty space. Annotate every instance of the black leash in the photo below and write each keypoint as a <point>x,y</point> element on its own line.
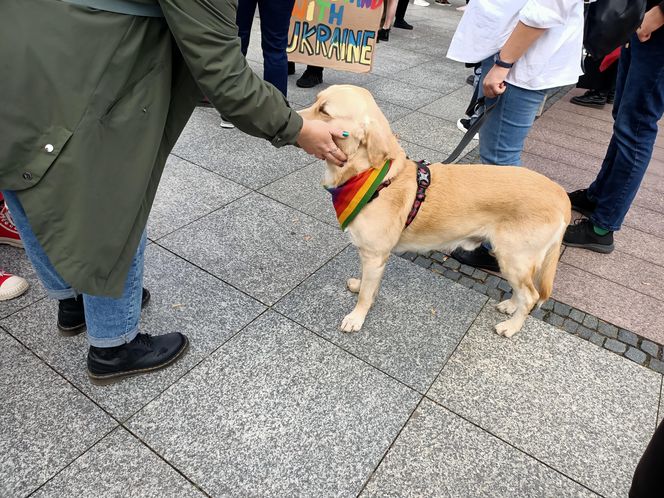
<point>483,111</point>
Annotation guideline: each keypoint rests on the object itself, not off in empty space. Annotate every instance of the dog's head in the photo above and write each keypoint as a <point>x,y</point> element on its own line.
<point>354,110</point>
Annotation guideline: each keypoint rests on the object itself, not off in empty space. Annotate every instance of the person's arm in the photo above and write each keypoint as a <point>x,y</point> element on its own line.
<point>534,19</point>
<point>653,20</point>
<point>206,34</point>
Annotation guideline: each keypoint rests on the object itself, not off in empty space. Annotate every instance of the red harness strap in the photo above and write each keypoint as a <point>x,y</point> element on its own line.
<point>423,182</point>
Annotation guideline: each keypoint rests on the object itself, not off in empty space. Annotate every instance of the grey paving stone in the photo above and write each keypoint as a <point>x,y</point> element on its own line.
<point>402,95</point>
<point>496,295</point>
<point>547,394</point>
<point>570,326</point>
<point>417,152</point>
<point>440,454</point>
<point>608,330</point>
<point>492,281</point>
<point>391,60</point>
<point>628,337</point>
<point>657,365</point>
<point>555,320</point>
<point>562,309</point>
<point>452,263</point>
<point>303,190</point>
<point>452,275</point>
<point>415,323</point>
<point>597,339</point>
<point>410,256</point>
<point>46,423</point>
<point>246,160</point>
<point>430,132</point>
<point>466,282</point>
<point>187,192</point>
<point>585,332</point>
<point>467,270</point>
<point>14,261</point>
<point>615,346</point>
<point>277,411</point>
<point>442,76</point>
<point>439,257</point>
<point>438,268</point>
<point>481,288</point>
<point>591,322</point>
<point>504,286</point>
<point>115,467</point>
<point>480,275</point>
<point>392,111</point>
<point>538,313</point>
<point>650,347</point>
<point>577,315</point>
<point>184,299</point>
<point>636,356</point>
<point>452,106</point>
<point>422,261</point>
<point>258,245</point>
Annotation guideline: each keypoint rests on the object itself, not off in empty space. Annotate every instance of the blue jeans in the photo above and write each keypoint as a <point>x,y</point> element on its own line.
<point>110,322</point>
<point>638,106</point>
<point>275,20</point>
<point>504,132</point>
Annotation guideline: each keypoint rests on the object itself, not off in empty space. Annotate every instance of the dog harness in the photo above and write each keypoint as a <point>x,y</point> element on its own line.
<point>349,199</point>
<point>423,182</point>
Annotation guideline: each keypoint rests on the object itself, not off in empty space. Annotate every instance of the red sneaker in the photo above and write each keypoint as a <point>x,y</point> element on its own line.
<point>11,286</point>
<point>8,233</point>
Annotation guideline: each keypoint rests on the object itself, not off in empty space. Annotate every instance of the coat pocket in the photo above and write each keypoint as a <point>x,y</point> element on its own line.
<point>134,93</point>
<point>39,159</point>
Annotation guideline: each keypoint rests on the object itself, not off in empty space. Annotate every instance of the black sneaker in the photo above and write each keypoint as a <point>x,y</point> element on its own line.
<point>592,98</point>
<point>383,34</point>
<point>144,354</point>
<point>582,234</point>
<point>402,24</point>
<point>611,97</point>
<point>291,68</point>
<point>581,203</point>
<point>479,258</point>
<point>310,79</point>
<point>71,314</point>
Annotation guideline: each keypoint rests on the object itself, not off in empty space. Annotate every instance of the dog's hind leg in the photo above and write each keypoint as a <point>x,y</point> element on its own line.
<point>373,267</point>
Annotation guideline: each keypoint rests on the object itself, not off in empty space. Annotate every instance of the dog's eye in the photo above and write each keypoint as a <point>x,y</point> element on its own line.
<point>323,111</point>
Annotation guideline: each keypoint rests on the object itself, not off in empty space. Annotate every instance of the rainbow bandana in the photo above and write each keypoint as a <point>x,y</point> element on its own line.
<point>349,199</point>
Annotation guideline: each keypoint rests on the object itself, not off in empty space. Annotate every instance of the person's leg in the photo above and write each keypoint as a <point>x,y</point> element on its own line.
<point>275,20</point>
<point>245,19</point>
<point>504,132</point>
<point>640,107</point>
<point>390,12</point>
<point>400,13</point>
<point>648,478</point>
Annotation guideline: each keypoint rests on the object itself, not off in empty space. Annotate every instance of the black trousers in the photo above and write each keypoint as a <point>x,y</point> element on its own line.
<point>648,479</point>
<point>401,9</point>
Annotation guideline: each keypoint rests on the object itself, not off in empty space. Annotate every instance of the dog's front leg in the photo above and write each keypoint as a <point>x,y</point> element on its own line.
<point>373,267</point>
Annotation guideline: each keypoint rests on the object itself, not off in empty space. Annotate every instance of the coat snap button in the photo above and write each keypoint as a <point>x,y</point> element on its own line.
<point>27,176</point>
<point>48,148</point>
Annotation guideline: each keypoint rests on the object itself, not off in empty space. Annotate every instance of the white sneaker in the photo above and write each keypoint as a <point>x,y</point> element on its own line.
<point>226,124</point>
<point>421,3</point>
<point>462,123</point>
<point>11,286</point>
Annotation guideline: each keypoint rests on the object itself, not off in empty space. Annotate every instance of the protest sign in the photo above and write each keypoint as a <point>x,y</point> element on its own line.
<point>340,34</point>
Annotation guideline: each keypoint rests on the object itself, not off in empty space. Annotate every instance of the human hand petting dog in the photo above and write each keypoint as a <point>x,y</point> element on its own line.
<point>317,138</point>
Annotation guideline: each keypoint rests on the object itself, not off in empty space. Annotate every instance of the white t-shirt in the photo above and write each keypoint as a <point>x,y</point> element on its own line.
<point>555,57</point>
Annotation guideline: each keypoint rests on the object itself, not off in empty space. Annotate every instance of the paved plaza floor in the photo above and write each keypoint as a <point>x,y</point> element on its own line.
<point>247,259</point>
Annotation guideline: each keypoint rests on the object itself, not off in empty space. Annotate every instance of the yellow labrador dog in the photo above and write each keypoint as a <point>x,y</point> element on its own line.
<point>522,214</point>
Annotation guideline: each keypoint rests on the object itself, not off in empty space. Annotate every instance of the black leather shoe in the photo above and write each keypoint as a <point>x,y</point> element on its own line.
<point>402,24</point>
<point>581,203</point>
<point>479,258</point>
<point>383,35</point>
<point>144,354</point>
<point>71,314</point>
<point>592,98</point>
<point>611,97</point>
<point>310,79</point>
<point>582,234</point>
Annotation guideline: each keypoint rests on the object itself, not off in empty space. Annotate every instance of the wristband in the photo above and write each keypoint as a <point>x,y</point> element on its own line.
<point>501,63</point>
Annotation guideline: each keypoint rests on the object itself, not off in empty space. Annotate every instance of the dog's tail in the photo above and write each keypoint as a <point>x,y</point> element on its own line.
<point>546,273</point>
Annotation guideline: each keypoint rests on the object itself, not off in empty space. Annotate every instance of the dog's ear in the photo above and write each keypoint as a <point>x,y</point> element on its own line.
<point>377,144</point>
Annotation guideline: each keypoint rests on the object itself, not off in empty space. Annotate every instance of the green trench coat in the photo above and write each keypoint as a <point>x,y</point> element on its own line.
<point>92,102</point>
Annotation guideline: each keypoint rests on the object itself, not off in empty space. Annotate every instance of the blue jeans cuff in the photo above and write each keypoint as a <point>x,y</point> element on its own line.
<point>111,342</point>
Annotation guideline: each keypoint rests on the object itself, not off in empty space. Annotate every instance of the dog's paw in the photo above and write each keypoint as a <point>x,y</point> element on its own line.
<point>508,307</point>
<point>353,285</point>
<point>507,328</point>
<point>352,322</point>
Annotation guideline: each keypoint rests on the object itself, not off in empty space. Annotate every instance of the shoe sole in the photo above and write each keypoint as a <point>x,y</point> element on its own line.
<point>11,242</point>
<point>601,248</point>
<point>103,380</point>
<point>592,106</point>
<point>19,291</point>
<point>72,331</point>
<point>308,86</point>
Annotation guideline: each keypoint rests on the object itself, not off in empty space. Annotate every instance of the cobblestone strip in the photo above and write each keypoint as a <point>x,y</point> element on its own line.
<point>573,321</point>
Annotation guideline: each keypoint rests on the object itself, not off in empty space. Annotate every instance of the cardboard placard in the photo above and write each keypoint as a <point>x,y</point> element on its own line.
<point>339,34</point>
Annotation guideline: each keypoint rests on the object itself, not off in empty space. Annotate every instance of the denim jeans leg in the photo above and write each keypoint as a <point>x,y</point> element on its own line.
<point>56,287</point>
<point>275,20</point>
<point>503,134</point>
<point>634,132</point>
<point>245,19</point>
<point>113,322</point>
